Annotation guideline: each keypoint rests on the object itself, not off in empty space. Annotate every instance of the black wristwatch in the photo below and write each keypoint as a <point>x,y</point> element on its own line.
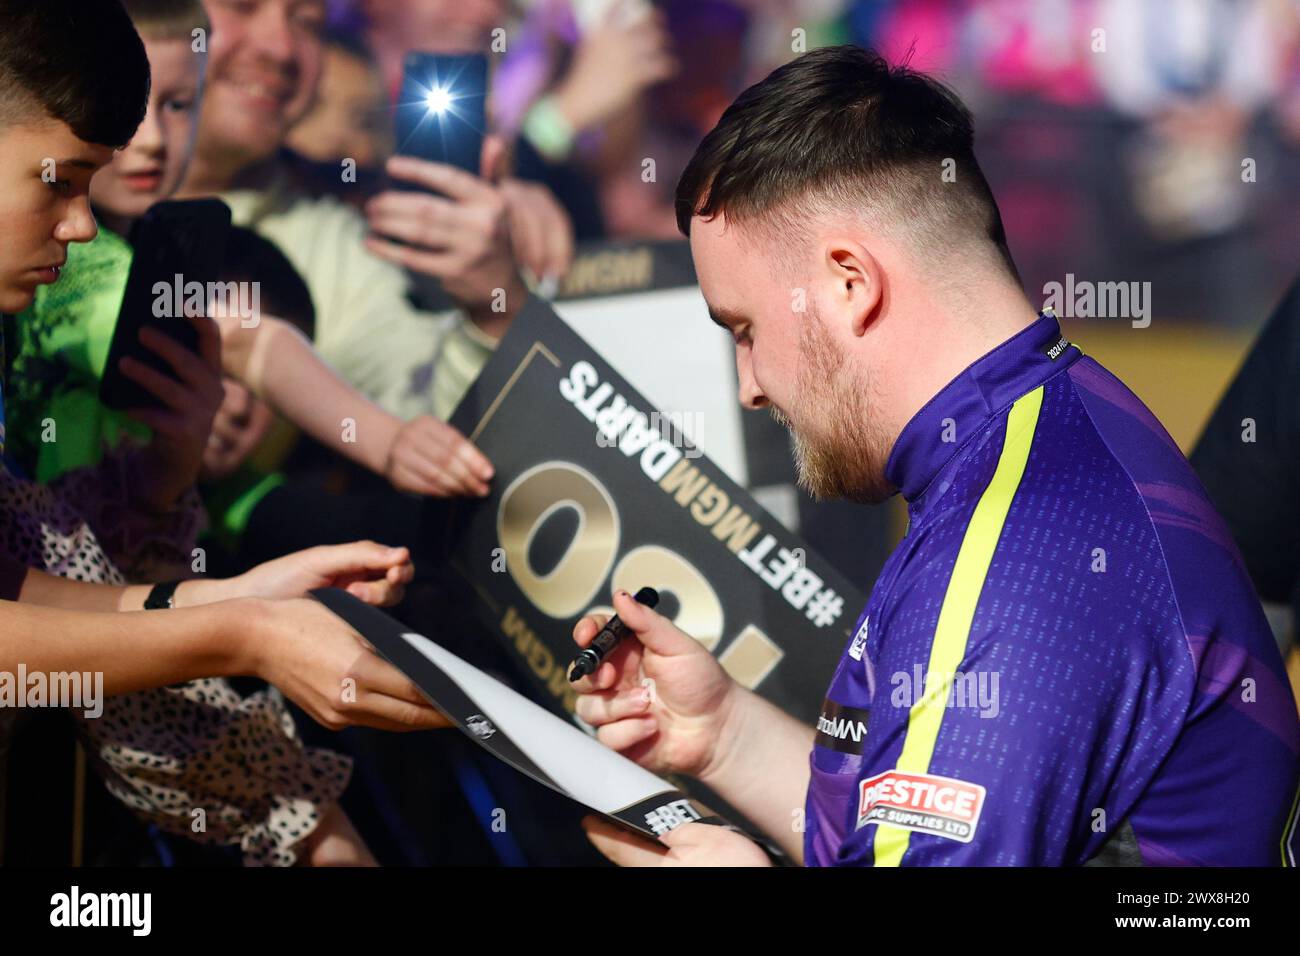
<point>162,596</point>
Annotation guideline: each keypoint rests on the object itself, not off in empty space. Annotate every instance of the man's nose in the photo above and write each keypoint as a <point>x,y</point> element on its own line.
<point>274,36</point>
<point>751,396</point>
<point>752,399</point>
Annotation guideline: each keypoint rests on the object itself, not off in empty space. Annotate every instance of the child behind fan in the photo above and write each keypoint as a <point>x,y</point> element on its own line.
<point>165,751</point>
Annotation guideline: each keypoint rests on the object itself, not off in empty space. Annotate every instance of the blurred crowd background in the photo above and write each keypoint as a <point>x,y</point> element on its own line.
<point>1117,135</point>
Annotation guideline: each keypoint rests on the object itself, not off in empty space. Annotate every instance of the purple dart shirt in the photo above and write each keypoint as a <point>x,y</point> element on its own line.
<point>1064,661</point>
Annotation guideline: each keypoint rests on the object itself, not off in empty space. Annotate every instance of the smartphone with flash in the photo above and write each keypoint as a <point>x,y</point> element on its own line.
<point>441,112</point>
<point>179,248</point>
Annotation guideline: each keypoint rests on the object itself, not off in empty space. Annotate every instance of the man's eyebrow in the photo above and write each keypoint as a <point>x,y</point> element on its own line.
<point>724,318</point>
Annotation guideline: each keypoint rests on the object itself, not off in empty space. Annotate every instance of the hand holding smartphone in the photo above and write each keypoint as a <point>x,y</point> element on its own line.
<point>441,217</point>
<point>179,248</point>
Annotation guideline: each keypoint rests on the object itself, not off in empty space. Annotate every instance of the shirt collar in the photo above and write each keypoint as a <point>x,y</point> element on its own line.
<point>960,410</point>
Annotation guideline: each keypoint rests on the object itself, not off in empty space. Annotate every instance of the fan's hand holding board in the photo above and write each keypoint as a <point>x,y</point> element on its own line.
<point>534,741</point>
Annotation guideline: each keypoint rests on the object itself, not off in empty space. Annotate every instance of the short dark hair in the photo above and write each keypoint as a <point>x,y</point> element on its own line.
<point>349,42</point>
<point>78,61</point>
<point>253,258</point>
<point>841,127</point>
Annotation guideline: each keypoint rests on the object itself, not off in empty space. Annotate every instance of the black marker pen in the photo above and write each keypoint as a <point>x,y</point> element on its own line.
<point>608,638</point>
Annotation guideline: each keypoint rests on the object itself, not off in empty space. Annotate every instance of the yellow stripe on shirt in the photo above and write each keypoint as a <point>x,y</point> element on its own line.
<point>953,630</point>
<point>1289,829</point>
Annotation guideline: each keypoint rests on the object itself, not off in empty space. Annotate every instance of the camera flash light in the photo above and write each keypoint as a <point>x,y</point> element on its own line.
<point>439,100</point>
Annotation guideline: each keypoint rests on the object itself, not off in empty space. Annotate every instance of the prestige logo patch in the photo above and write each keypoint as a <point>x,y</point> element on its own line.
<point>922,802</point>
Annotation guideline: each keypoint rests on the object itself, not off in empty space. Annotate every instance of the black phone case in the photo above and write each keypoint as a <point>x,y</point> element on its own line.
<point>185,239</point>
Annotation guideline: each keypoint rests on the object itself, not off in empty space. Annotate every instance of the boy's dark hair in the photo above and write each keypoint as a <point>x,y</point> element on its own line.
<point>839,128</point>
<point>167,19</point>
<point>77,61</point>
<point>283,293</point>
<point>351,43</point>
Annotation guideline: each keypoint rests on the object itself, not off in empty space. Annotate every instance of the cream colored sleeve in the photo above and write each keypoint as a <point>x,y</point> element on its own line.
<point>409,361</point>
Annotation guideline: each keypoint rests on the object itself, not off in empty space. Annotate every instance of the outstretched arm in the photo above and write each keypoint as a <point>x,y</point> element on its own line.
<point>297,645</point>
<point>132,651</point>
<point>279,364</point>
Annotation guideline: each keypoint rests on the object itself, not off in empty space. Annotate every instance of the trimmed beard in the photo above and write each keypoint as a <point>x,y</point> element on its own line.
<point>844,457</point>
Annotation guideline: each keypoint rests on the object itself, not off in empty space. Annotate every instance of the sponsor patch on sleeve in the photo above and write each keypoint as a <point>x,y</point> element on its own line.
<point>860,640</point>
<point>841,728</point>
<point>922,802</point>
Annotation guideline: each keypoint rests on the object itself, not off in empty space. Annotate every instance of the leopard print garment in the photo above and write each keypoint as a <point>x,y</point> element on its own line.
<point>195,759</point>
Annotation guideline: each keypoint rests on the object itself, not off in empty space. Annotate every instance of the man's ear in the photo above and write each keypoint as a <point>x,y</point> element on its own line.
<point>856,283</point>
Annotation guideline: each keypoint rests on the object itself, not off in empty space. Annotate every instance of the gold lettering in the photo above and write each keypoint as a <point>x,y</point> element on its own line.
<point>613,270</point>
<point>526,504</point>
<point>750,657</point>
<point>736,530</point>
<point>700,510</point>
<point>686,480</point>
